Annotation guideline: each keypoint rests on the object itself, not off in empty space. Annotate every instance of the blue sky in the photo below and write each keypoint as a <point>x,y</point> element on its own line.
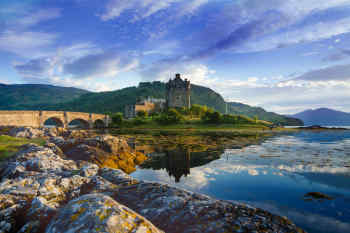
<point>283,55</point>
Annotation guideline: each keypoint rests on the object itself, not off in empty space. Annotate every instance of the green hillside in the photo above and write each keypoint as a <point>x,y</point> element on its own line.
<point>243,109</point>
<point>32,96</point>
<point>115,101</point>
<point>41,97</point>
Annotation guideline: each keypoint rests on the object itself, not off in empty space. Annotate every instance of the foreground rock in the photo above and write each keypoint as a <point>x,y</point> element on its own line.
<point>98,213</point>
<point>105,151</point>
<point>30,133</point>
<point>26,132</point>
<point>42,192</point>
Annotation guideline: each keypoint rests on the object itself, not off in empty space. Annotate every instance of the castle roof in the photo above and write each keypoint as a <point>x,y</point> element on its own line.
<point>177,82</point>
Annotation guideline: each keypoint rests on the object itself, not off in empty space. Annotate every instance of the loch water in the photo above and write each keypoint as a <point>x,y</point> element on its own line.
<point>274,175</point>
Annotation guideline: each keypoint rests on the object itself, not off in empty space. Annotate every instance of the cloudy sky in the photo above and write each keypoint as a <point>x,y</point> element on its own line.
<point>283,55</point>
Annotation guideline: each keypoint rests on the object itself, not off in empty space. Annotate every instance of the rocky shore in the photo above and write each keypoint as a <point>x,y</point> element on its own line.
<point>68,185</point>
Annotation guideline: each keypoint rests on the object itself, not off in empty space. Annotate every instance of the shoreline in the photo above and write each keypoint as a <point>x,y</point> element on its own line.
<point>168,208</point>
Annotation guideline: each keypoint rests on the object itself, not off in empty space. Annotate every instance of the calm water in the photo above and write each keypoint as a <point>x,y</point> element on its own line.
<point>274,175</point>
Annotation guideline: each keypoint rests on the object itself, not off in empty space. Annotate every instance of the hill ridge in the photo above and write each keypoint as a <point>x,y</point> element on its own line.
<point>324,116</point>
<point>115,101</point>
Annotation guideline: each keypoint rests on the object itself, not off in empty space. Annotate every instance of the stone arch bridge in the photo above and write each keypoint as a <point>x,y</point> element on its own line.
<point>37,119</point>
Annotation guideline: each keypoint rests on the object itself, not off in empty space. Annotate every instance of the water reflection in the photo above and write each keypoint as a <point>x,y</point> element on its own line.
<point>178,163</point>
<point>274,174</point>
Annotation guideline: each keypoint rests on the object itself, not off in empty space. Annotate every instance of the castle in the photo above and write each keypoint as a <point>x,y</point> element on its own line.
<point>178,95</point>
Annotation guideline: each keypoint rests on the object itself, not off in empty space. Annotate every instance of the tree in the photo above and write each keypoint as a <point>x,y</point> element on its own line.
<point>256,119</point>
<point>170,117</point>
<point>211,117</point>
<point>142,114</point>
<point>198,110</point>
<point>117,118</point>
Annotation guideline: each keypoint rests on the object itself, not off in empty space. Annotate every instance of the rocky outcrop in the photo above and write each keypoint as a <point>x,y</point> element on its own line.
<point>105,151</point>
<point>30,132</point>
<point>26,132</point>
<point>40,191</point>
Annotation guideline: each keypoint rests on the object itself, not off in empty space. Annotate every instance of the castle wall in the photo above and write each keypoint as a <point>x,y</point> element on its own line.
<point>147,107</point>
<point>178,93</point>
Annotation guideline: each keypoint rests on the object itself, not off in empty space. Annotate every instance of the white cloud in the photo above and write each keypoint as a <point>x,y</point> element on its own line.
<point>34,18</point>
<point>18,36</point>
<point>80,65</point>
<point>26,43</point>
<point>144,8</point>
<point>107,65</point>
<point>311,33</point>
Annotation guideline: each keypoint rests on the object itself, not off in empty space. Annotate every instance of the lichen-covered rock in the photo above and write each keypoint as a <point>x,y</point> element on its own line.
<point>35,158</point>
<point>26,132</point>
<point>105,151</point>
<point>89,170</point>
<point>98,213</point>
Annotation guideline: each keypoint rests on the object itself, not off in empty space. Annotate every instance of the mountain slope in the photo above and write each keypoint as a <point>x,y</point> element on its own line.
<point>45,97</point>
<point>115,101</point>
<point>32,96</point>
<point>324,116</point>
<point>262,114</point>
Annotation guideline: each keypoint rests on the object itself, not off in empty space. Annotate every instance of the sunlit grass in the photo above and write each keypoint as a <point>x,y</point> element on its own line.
<point>9,145</point>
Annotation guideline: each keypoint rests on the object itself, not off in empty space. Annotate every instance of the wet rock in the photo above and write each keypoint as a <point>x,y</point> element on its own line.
<point>318,196</point>
<point>98,213</point>
<point>26,132</point>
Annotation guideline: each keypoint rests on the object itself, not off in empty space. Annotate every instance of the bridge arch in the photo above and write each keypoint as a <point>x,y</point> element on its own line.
<point>53,121</point>
<point>99,123</point>
<point>79,123</point>
<point>38,119</point>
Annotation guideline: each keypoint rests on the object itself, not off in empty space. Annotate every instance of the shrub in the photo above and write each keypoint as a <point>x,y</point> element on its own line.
<point>237,119</point>
<point>170,117</point>
<point>142,114</point>
<point>139,121</point>
<point>211,117</point>
<point>117,118</point>
<point>198,110</point>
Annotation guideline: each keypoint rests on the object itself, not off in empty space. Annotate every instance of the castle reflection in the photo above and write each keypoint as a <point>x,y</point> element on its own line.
<point>178,163</point>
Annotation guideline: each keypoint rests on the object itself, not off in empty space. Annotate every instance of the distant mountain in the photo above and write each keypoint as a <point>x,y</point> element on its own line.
<point>324,116</point>
<point>32,96</point>
<point>44,97</point>
<point>262,114</point>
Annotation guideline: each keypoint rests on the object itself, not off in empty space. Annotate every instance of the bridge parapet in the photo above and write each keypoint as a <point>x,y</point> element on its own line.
<point>37,119</point>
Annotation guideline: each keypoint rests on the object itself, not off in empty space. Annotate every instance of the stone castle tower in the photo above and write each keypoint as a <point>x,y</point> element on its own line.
<point>178,93</point>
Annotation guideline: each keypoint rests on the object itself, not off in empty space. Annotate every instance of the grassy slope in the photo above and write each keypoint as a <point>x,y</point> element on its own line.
<point>9,145</point>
